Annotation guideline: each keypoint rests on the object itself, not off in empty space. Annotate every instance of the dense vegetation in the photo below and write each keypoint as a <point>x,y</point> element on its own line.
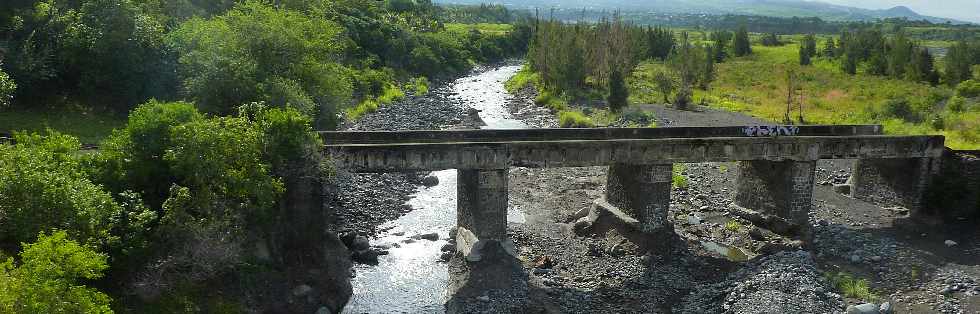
<point>319,57</point>
<point>214,106</point>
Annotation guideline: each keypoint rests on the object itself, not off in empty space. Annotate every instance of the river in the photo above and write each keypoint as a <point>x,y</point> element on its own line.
<point>410,279</point>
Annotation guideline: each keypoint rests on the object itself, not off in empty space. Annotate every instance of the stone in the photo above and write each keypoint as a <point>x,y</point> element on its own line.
<point>430,181</point>
<point>323,310</point>
<point>843,189</point>
<point>543,262</point>
<point>428,236</point>
<point>950,243</point>
<point>483,298</point>
<point>446,256</point>
<point>360,243</point>
<point>368,256</point>
<point>582,226</point>
<point>302,290</point>
<point>448,247</point>
<point>876,258</point>
<point>886,308</point>
<point>855,258</point>
<point>867,308</point>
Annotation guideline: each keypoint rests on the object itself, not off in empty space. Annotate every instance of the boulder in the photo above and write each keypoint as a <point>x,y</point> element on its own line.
<point>430,181</point>
<point>867,308</point>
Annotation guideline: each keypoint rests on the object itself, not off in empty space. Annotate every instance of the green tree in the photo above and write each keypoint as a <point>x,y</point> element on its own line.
<point>7,88</point>
<point>665,84</point>
<point>741,44</point>
<point>804,56</point>
<point>48,278</point>
<point>829,49</point>
<point>618,92</point>
<point>959,61</point>
<point>849,64</point>
<point>43,186</point>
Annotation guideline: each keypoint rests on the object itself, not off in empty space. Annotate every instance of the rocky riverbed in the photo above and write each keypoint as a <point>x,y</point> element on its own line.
<point>721,261</point>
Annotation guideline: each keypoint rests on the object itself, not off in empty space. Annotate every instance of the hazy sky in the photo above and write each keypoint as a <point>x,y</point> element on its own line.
<point>968,10</point>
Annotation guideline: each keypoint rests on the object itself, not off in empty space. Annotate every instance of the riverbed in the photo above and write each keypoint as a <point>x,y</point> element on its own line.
<point>410,279</point>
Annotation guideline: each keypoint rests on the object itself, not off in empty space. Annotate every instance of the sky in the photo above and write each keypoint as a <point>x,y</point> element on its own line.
<point>967,10</point>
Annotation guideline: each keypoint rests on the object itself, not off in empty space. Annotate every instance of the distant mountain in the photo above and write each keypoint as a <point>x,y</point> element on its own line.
<point>779,8</point>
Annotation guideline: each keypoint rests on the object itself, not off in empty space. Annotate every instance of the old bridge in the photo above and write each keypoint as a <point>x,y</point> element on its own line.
<point>776,164</point>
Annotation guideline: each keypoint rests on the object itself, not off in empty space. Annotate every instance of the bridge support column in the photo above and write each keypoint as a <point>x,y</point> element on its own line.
<point>642,191</point>
<point>780,188</point>
<point>901,182</point>
<point>481,211</point>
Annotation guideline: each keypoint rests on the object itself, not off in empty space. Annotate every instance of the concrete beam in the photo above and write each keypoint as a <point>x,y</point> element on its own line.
<point>780,188</point>
<point>579,153</point>
<point>643,191</point>
<point>570,134</point>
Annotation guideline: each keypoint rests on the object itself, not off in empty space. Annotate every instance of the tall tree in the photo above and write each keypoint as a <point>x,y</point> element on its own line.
<point>959,61</point>
<point>741,43</point>
<point>618,92</point>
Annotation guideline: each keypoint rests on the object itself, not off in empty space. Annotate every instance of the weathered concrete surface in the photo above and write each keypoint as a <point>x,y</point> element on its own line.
<point>780,188</point>
<point>643,191</point>
<point>472,249</point>
<point>955,193</point>
<point>579,153</point>
<point>482,203</point>
<point>895,182</point>
<point>439,136</point>
<point>604,217</point>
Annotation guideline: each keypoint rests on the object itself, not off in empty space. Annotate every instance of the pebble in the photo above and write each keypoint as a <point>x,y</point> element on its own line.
<point>950,243</point>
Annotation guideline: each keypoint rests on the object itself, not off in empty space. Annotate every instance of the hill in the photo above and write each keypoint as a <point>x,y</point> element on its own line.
<point>778,8</point>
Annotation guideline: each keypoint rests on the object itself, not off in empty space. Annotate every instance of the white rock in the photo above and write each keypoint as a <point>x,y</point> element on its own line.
<point>867,308</point>
<point>950,243</point>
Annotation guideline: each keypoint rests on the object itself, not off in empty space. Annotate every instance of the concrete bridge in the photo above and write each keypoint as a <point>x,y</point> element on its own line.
<point>776,164</point>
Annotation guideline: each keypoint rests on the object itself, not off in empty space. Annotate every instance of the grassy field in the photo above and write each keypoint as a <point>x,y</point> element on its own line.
<point>486,28</point>
<point>756,85</point>
<point>89,127</point>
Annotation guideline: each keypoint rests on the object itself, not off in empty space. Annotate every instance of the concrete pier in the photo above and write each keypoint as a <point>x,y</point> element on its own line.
<point>642,191</point>
<point>780,188</point>
<point>897,182</point>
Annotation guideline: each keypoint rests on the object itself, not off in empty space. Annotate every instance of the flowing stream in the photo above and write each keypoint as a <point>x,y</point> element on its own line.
<point>410,279</point>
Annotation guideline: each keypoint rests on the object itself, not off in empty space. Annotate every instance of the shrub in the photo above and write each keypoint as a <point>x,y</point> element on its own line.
<point>618,92</point>
<point>44,186</point>
<point>968,89</point>
<point>677,179</point>
<point>900,108</point>
<point>419,86</point>
<point>391,93</point>
<point>525,77</point>
<point>574,119</point>
<point>47,279</point>
<point>7,88</point>
<point>852,287</point>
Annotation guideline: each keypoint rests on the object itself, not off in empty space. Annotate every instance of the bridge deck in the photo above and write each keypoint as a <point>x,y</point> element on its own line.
<point>394,157</point>
<point>392,137</point>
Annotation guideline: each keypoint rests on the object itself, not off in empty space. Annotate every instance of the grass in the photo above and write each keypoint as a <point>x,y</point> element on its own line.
<point>88,126</point>
<point>574,119</point>
<point>755,85</point>
<point>389,94</point>
<point>852,287</point>
<point>485,28</point>
<point>733,226</point>
<point>677,179</point>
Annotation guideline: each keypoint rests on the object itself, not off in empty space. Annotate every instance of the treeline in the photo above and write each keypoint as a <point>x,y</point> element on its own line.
<point>318,56</point>
<point>483,13</point>
<point>897,56</point>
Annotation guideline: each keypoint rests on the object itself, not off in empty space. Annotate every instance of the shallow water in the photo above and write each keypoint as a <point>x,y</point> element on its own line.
<point>410,279</point>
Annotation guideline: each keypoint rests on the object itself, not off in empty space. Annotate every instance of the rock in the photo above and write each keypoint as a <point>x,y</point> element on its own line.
<point>582,226</point>
<point>757,234</point>
<point>430,181</point>
<point>867,308</point>
<point>446,256</point>
<point>886,308</point>
<point>323,310</point>
<point>843,189</point>
<point>543,262</point>
<point>428,236</point>
<point>360,243</point>
<point>876,258</point>
<point>950,243</point>
<point>483,298</point>
<point>302,290</point>
<point>855,258</point>
<point>448,247</point>
<point>693,219</point>
<point>368,256</point>
<point>901,211</point>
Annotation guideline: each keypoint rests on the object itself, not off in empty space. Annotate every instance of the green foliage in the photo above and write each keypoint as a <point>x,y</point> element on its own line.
<point>419,86</point>
<point>852,287</point>
<point>679,180</point>
<point>959,60</point>
<point>574,119</point>
<point>665,84</point>
<point>968,89</point>
<point>256,52</point>
<point>7,88</point>
<point>618,92</point>
<point>771,40</point>
<point>48,278</point>
<point>733,226</point>
<point>525,77</point>
<point>741,44</point>
<point>44,186</point>
<point>808,49</point>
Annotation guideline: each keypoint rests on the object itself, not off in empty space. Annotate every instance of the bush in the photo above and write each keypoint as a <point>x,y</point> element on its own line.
<point>899,108</point>
<point>43,186</point>
<point>390,94</point>
<point>7,88</point>
<point>968,89</point>
<point>419,86</point>
<point>47,279</point>
<point>618,92</point>
<point>574,119</point>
